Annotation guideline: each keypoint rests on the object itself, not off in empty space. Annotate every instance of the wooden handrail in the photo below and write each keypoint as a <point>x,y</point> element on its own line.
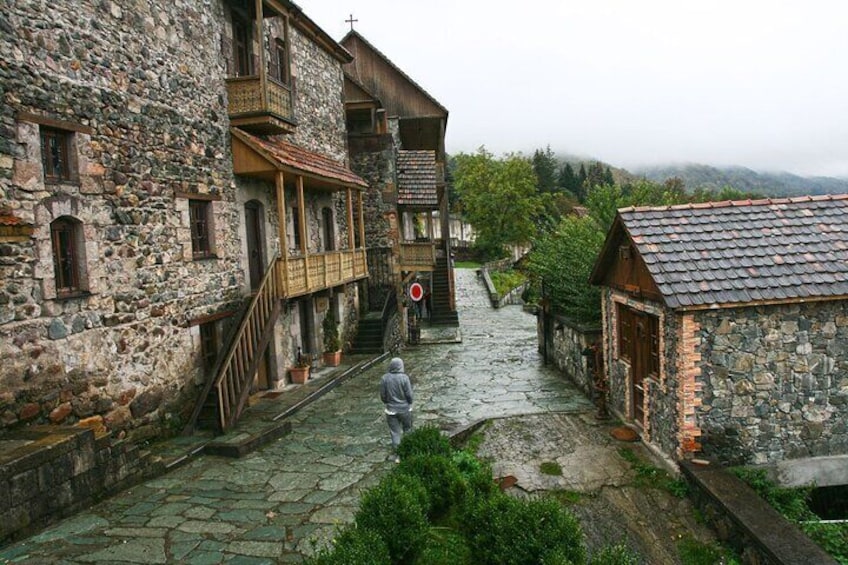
<point>247,349</point>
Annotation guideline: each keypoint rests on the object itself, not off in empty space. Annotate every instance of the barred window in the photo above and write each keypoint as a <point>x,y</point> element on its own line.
<point>67,240</point>
<point>200,220</point>
<point>55,154</point>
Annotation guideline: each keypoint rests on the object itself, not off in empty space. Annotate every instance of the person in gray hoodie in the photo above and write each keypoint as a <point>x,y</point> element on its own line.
<point>396,394</point>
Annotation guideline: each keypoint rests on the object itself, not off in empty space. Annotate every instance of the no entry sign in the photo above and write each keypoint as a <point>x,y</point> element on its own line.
<point>416,291</point>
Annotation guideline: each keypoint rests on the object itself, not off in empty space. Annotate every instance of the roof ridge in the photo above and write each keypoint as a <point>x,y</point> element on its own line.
<point>738,203</point>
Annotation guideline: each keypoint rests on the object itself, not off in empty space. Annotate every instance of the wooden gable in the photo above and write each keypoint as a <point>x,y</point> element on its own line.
<point>400,95</point>
<point>620,266</point>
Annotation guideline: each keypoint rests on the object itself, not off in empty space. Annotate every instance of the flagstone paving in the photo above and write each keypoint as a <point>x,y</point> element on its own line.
<point>278,503</point>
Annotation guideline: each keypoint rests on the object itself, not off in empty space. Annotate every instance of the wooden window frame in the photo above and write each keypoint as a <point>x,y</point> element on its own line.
<point>56,155</point>
<point>625,332</point>
<point>282,62</point>
<point>200,223</point>
<point>242,45</point>
<point>68,257</point>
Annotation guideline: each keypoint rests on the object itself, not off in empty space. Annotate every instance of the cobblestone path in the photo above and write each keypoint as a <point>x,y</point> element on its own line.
<point>276,504</point>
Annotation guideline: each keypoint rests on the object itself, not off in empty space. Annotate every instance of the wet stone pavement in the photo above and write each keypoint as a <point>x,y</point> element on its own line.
<point>279,503</point>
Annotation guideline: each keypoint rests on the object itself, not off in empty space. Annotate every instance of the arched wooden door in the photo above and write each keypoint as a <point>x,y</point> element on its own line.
<point>254,219</point>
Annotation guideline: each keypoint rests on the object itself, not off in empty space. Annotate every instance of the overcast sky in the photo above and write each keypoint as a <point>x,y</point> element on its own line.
<point>761,84</point>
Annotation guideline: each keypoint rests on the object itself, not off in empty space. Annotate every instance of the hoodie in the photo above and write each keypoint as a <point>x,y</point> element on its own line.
<point>395,388</point>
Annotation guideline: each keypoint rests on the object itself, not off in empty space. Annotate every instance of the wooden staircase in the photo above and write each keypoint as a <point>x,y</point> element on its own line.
<point>440,297</point>
<point>223,398</point>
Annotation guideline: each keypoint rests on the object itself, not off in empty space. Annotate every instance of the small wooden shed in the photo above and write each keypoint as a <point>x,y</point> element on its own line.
<point>725,327</point>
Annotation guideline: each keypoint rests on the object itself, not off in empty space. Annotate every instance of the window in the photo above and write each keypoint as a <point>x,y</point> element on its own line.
<point>66,237</point>
<point>55,154</point>
<point>209,344</point>
<point>295,228</point>
<point>242,46</point>
<point>625,331</point>
<point>200,221</point>
<point>280,62</point>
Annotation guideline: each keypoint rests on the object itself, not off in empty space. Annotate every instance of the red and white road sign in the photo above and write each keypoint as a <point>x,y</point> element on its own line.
<point>416,291</point>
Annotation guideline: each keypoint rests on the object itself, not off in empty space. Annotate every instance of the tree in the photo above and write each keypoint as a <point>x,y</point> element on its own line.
<point>563,260</point>
<point>581,183</point>
<point>544,165</point>
<point>568,180</point>
<point>499,198</point>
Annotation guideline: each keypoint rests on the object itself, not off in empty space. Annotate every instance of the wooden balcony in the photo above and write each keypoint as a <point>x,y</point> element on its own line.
<point>417,256</point>
<point>305,275</point>
<point>260,110</point>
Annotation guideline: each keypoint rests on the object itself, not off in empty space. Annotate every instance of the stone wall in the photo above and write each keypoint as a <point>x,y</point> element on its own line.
<point>775,382</point>
<point>565,347</point>
<point>141,90</point>
<point>150,125</point>
<point>47,472</point>
<point>739,386</point>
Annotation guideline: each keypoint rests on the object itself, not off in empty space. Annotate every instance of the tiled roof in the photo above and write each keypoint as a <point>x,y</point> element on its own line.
<point>416,172</point>
<point>299,159</point>
<point>744,251</point>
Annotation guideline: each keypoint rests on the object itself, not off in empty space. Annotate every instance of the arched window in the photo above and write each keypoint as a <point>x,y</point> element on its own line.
<point>68,255</point>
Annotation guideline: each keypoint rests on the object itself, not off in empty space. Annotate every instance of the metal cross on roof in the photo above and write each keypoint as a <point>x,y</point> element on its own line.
<point>350,21</point>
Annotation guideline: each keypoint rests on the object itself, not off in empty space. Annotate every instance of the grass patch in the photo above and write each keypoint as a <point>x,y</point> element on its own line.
<point>649,476</point>
<point>694,552</point>
<point>566,497</point>
<point>505,281</point>
<point>551,468</point>
<point>467,264</point>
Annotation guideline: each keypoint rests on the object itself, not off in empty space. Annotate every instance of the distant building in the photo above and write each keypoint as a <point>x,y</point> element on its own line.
<point>169,173</point>
<point>396,135</point>
<point>725,327</point>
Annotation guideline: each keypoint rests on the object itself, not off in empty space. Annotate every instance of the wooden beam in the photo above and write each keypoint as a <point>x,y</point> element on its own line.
<point>260,42</point>
<point>281,230</point>
<point>361,220</point>
<point>301,214</point>
<point>351,239</point>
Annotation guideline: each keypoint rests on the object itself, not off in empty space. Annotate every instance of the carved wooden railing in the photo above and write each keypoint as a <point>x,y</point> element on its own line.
<point>305,275</point>
<point>235,376</point>
<point>245,96</point>
<point>417,256</point>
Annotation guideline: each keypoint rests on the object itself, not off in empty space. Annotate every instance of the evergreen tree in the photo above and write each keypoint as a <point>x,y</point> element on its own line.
<point>568,180</point>
<point>544,165</point>
<point>581,183</point>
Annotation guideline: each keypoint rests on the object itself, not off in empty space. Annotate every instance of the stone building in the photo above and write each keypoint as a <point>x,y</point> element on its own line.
<point>725,327</point>
<point>396,136</point>
<point>176,208</point>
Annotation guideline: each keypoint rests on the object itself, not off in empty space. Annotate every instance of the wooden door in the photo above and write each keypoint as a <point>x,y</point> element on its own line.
<point>640,366</point>
<point>329,231</point>
<point>253,220</point>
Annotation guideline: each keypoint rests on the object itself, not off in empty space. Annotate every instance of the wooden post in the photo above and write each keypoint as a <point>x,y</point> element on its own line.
<point>361,235</point>
<point>281,228</point>
<point>304,248</point>
<point>351,238</point>
<point>263,81</point>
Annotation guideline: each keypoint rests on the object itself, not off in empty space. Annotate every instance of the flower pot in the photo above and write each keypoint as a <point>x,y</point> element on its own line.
<point>332,358</point>
<point>299,375</point>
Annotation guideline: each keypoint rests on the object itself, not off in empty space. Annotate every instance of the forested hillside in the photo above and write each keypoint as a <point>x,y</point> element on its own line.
<point>746,180</point>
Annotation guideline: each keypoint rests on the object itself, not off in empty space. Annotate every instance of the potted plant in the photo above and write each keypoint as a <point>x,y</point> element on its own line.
<point>300,371</point>
<point>332,344</point>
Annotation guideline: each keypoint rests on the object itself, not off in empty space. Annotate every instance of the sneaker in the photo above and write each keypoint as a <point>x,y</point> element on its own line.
<point>397,459</point>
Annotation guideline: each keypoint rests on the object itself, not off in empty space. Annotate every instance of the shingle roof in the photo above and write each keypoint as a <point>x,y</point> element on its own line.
<point>744,251</point>
<point>300,159</point>
<point>416,172</point>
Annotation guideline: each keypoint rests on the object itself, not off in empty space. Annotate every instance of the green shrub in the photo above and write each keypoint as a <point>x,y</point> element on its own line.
<point>395,510</point>
<point>505,281</point>
<point>354,546</point>
<point>440,477</point>
<point>445,547</point>
<point>618,554</point>
<point>426,440</point>
<point>476,475</point>
<point>506,531</point>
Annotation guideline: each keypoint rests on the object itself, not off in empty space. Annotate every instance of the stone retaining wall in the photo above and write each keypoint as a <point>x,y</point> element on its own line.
<point>565,347</point>
<point>48,472</point>
<point>746,522</point>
